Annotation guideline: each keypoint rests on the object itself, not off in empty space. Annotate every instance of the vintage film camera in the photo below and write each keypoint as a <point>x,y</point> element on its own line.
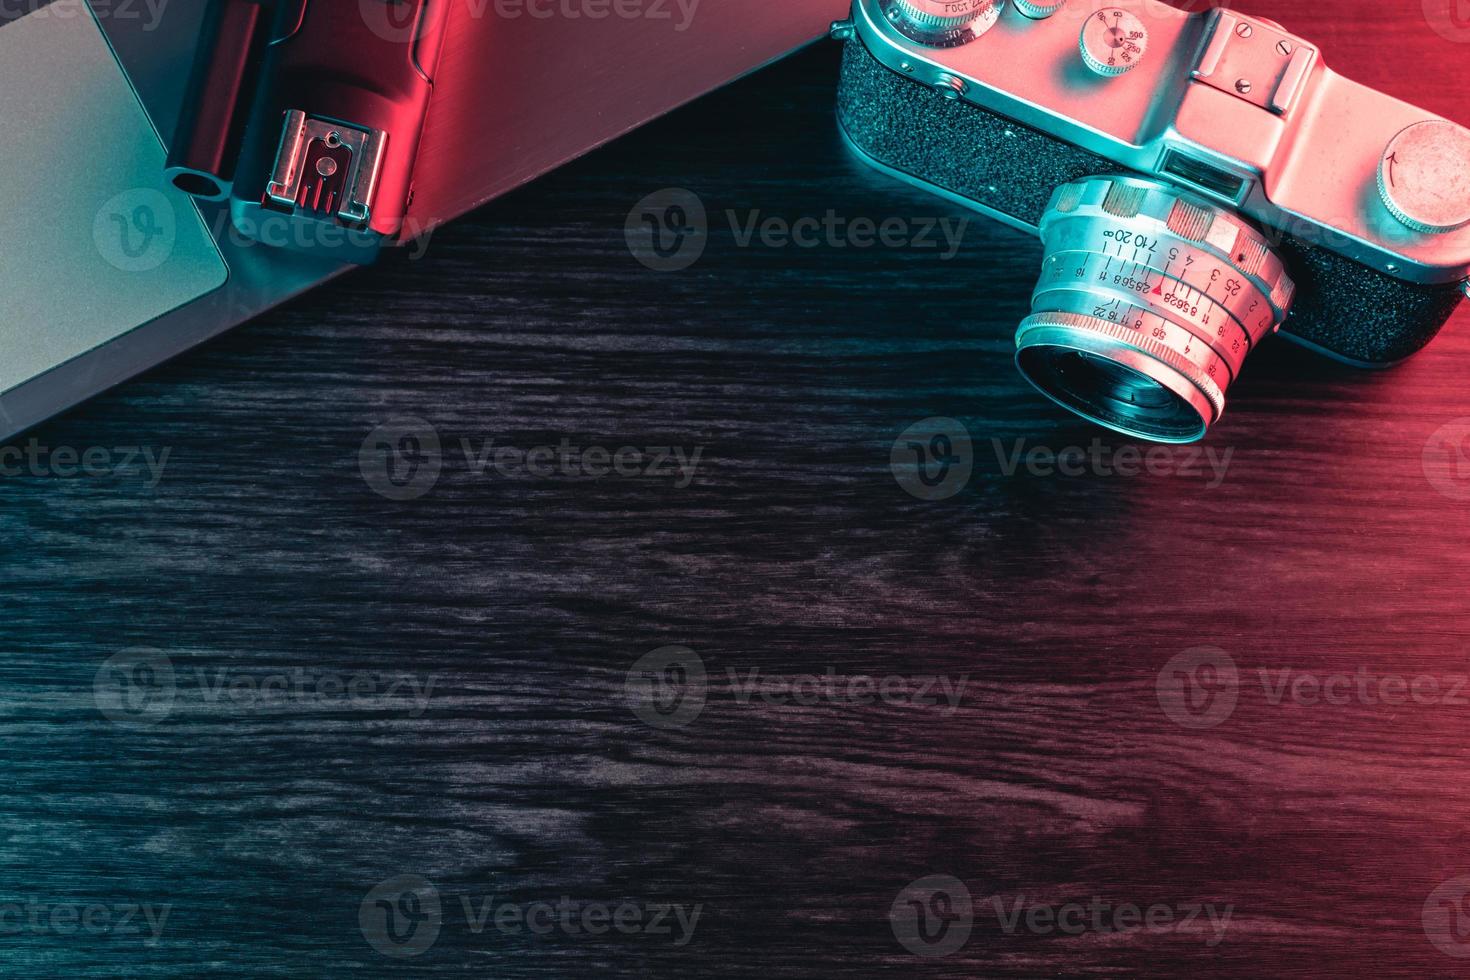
<point>1198,181</point>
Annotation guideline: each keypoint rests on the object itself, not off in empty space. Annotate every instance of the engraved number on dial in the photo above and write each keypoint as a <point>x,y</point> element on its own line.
<point>1123,34</point>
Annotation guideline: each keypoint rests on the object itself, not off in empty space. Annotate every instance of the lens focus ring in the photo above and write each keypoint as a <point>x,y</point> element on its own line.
<point>1149,301</point>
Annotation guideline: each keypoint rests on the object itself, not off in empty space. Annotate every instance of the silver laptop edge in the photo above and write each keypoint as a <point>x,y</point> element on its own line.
<point>622,88</point>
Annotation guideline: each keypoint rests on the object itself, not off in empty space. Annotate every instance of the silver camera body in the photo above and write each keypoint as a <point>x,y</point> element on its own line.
<point>1199,181</point>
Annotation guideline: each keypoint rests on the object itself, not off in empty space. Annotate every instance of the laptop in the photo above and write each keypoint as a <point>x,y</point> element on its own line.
<point>106,269</point>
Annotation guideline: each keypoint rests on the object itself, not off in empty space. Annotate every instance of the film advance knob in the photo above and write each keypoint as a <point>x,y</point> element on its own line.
<point>1113,41</point>
<point>941,17</point>
<point>1424,177</point>
<point>1039,9</point>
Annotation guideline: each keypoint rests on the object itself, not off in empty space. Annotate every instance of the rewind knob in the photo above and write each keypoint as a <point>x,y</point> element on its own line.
<point>1424,177</point>
<point>943,23</point>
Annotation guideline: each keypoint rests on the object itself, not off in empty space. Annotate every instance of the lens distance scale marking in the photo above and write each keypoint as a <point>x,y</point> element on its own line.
<point>1152,278</point>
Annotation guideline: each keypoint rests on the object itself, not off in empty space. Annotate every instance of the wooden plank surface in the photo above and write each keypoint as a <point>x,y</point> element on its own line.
<point>504,752</point>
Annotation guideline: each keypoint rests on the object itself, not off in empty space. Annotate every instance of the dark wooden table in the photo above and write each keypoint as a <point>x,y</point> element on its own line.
<point>1236,693</point>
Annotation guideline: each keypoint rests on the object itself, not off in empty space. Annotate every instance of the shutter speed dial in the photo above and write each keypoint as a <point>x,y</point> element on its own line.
<point>1113,41</point>
<point>943,23</point>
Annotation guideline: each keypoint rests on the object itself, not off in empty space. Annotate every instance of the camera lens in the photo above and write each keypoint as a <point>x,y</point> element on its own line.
<point>1149,301</point>
<point>1110,393</point>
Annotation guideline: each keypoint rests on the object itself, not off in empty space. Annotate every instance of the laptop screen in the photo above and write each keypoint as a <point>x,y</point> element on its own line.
<point>97,243</point>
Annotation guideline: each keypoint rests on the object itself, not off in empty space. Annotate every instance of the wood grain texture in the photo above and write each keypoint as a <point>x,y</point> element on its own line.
<point>1058,602</point>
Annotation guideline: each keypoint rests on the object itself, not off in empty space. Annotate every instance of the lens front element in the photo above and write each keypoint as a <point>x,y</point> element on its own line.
<point>1149,301</point>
